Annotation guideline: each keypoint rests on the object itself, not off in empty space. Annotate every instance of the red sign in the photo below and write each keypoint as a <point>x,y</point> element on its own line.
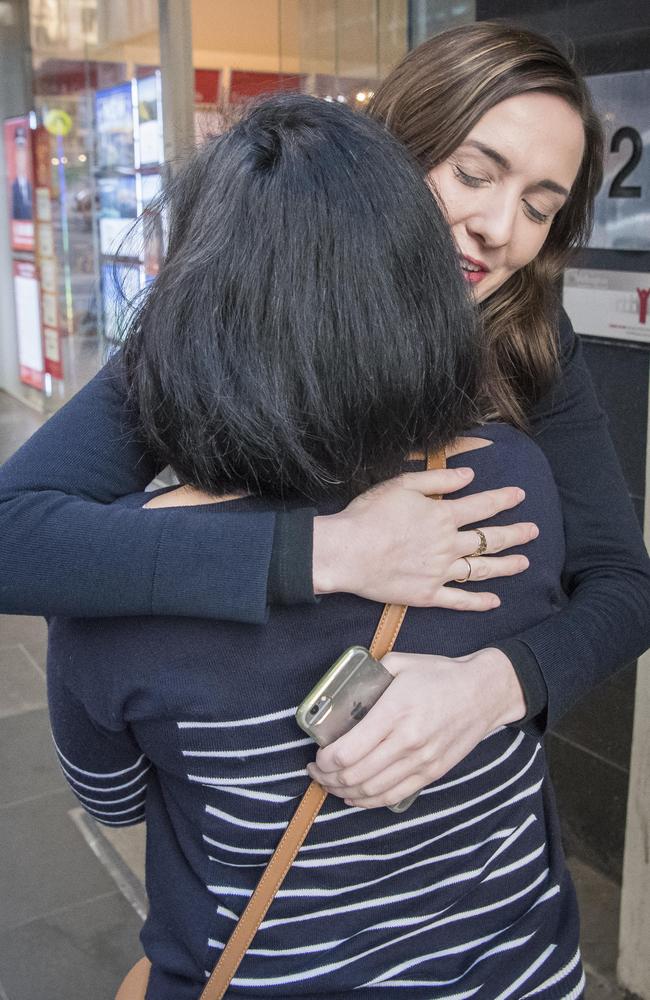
<point>20,182</point>
<point>248,83</point>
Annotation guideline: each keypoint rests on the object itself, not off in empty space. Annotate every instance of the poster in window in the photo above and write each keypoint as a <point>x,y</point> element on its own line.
<point>150,121</point>
<point>114,116</point>
<point>118,209</point>
<point>28,323</point>
<point>120,286</point>
<point>20,182</point>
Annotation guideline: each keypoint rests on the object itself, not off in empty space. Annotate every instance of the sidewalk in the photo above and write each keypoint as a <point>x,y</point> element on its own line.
<point>71,897</point>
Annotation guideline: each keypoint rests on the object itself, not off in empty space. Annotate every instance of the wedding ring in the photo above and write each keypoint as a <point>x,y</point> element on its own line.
<point>469,570</point>
<point>482,544</point>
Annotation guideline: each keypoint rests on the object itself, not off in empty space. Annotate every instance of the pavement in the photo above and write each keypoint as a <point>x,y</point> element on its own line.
<point>71,892</point>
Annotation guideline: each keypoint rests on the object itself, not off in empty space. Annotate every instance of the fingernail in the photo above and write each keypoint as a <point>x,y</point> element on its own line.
<point>464,472</point>
<point>495,603</point>
<point>534,533</point>
<point>521,495</point>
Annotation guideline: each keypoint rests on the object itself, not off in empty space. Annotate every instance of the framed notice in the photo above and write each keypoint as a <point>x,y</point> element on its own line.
<point>28,321</point>
<point>622,209</point>
<point>608,303</point>
<point>20,182</point>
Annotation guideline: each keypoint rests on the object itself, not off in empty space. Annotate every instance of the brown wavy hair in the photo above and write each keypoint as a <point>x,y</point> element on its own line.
<point>431,101</point>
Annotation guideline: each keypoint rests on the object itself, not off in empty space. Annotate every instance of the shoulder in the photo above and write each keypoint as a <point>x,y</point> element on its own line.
<point>567,339</point>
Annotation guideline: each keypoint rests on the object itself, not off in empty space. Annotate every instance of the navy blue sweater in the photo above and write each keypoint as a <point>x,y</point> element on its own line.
<point>190,723</point>
<point>64,551</point>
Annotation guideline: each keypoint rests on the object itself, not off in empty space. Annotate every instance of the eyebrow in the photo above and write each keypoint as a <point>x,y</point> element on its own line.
<point>506,165</point>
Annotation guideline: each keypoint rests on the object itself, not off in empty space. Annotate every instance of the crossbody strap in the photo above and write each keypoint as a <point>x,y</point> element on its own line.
<point>301,822</point>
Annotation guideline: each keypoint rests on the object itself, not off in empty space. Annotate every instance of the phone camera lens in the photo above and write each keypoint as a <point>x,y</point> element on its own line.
<point>313,710</point>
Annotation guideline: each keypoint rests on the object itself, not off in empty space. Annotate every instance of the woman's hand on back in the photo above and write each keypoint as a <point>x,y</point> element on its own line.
<point>432,715</point>
<point>394,544</point>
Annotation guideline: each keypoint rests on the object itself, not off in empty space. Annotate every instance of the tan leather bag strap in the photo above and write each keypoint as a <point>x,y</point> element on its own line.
<point>293,838</point>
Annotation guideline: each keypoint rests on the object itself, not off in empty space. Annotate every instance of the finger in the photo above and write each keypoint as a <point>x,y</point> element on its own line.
<point>498,539</point>
<point>487,568</point>
<point>392,796</point>
<point>379,780</point>
<point>436,481</point>
<point>389,754</point>
<point>465,600</point>
<point>348,750</point>
<point>482,506</point>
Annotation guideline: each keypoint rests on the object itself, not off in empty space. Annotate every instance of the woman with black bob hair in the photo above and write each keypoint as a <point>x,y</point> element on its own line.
<point>308,327</point>
<point>308,331</point>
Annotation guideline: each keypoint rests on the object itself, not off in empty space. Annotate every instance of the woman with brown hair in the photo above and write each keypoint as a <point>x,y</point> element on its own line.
<point>504,129</point>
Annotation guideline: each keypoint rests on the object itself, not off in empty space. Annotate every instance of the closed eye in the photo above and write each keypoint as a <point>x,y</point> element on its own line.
<point>536,216</point>
<point>467,179</point>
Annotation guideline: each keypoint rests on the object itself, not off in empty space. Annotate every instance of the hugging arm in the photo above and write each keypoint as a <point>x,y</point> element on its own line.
<point>64,549</point>
<point>606,621</point>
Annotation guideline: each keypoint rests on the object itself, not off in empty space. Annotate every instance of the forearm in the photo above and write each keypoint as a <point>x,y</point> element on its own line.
<point>65,549</point>
<point>62,555</point>
<point>605,625</point>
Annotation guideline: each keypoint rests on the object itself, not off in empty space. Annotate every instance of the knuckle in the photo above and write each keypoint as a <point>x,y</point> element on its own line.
<point>340,759</point>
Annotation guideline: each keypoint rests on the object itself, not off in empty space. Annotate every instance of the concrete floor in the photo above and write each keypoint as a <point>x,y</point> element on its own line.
<point>71,896</point>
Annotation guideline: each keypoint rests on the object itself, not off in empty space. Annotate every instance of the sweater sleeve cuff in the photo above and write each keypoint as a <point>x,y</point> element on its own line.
<point>291,575</point>
<point>530,677</point>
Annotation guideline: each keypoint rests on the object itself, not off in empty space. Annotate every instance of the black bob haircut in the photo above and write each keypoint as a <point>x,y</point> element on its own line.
<point>309,325</point>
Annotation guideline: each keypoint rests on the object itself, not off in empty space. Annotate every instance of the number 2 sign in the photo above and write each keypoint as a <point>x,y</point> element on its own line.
<point>622,210</point>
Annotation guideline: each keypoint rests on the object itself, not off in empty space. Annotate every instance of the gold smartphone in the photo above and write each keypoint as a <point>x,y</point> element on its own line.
<point>342,697</point>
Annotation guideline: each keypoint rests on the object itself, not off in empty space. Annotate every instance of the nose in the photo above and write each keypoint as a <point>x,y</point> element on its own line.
<point>493,222</point>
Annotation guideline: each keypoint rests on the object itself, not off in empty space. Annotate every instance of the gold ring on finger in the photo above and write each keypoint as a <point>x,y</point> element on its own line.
<point>482,544</point>
<point>469,570</point>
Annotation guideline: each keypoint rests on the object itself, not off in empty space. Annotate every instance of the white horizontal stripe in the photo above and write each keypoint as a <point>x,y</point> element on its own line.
<point>122,822</point>
<point>266,851</point>
<point>98,774</point>
<point>256,752</point>
<point>425,862</point>
<point>247,824</point>
<point>557,976</point>
<point>250,793</point>
<point>499,949</point>
<point>370,835</point>
<point>577,990</point>
<point>110,802</point>
<point>478,911</point>
<point>419,821</point>
<point>256,780</point>
<point>111,812</point>
<point>365,904</point>
<point>108,788</point>
<point>447,996</point>
<point>233,864</point>
<point>527,973</point>
<point>343,859</point>
<point>323,970</point>
<point>235,723</point>
<point>516,865</point>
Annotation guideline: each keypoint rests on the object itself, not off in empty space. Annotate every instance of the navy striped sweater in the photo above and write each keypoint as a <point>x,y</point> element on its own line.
<point>190,724</point>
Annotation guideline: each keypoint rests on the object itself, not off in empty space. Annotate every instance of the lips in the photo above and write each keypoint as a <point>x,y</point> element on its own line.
<point>473,270</point>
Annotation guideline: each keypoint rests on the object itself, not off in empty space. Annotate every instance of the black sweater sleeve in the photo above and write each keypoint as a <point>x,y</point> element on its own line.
<point>64,550</point>
<point>606,621</point>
